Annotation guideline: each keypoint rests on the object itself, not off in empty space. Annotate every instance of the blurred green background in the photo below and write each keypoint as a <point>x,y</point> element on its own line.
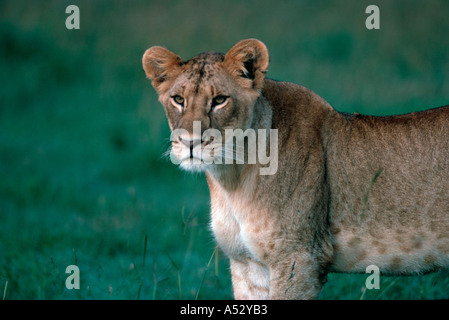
<point>82,179</point>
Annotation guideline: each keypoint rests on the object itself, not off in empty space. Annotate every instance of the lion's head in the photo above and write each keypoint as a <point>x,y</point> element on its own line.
<point>206,95</point>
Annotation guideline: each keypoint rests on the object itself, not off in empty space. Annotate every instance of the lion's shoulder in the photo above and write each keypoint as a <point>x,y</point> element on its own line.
<point>293,104</point>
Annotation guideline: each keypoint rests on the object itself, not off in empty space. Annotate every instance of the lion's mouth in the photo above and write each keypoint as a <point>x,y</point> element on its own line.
<point>187,155</point>
<point>192,160</point>
<point>192,164</point>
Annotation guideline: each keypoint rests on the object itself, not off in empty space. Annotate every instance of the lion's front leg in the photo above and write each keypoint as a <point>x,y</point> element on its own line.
<point>296,278</point>
<point>250,280</point>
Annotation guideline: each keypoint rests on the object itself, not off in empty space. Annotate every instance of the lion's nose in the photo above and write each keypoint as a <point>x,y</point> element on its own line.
<point>191,143</point>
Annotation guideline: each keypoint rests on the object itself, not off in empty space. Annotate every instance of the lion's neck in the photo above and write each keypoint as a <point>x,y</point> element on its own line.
<point>262,115</point>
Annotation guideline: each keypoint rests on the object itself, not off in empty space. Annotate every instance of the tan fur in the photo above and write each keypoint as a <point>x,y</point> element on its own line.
<point>350,190</point>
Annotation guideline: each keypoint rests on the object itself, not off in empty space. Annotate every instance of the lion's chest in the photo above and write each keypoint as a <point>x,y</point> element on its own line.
<point>241,229</point>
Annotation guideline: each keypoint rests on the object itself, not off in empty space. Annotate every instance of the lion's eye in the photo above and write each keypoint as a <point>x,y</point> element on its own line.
<point>178,100</point>
<point>219,100</point>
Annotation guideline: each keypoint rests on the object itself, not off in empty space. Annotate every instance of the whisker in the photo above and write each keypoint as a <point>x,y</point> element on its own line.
<point>166,154</point>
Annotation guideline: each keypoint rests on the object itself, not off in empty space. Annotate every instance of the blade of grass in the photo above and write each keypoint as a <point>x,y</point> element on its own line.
<point>179,285</point>
<point>154,280</point>
<point>365,199</point>
<point>175,265</point>
<point>4,291</point>
<point>139,289</point>
<point>204,273</point>
<point>363,292</point>
<point>144,252</point>
<point>216,263</point>
<point>143,266</point>
<point>75,257</point>
<point>385,290</point>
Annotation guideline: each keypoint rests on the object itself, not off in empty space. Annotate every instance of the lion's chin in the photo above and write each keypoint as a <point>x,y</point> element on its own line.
<point>193,165</point>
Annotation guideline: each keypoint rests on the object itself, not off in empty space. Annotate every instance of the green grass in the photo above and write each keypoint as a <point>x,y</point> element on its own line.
<point>82,179</point>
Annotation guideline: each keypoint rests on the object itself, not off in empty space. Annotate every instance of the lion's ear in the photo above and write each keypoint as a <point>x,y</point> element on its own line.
<point>247,61</point>
<point>160,64</point>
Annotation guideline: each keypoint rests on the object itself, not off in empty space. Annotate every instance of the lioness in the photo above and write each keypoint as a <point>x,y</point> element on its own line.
<point>349,191</point>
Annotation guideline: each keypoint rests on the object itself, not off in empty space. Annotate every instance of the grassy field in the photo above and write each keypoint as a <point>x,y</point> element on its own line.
<point>82,179</point>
